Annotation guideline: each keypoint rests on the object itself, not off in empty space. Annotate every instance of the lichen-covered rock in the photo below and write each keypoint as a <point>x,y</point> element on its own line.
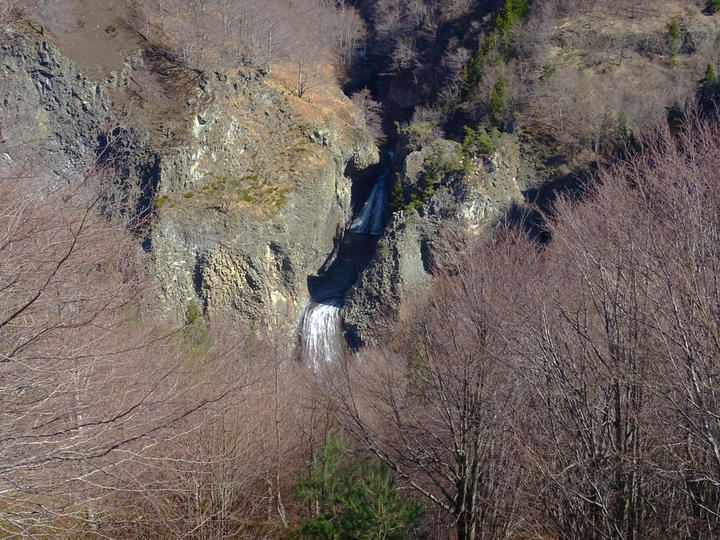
<point>400,271</point>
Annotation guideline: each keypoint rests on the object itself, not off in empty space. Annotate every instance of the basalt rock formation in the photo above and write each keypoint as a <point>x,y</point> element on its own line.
<point>245,187</point>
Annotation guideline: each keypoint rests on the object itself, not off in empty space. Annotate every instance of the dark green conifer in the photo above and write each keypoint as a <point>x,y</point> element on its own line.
<point>355,500</point>
<point>397,196</point>
<point>498,104</point>
<point>710,75</point>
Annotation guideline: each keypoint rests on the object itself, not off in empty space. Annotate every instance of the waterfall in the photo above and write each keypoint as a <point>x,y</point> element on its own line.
<point>321,336</point>
<point>370,218</point>
<point>321,332</point>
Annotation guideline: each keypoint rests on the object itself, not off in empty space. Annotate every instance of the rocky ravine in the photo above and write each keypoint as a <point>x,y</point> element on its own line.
<point>248,185</point>
<point>255,204</point>
<point>399,274</point>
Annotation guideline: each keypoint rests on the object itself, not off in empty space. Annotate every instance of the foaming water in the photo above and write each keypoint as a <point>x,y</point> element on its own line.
<point>370,218</point>
<point>321,335</point>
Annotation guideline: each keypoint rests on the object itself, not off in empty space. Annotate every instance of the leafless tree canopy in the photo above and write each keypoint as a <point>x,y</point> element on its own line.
<point>226,33</point>
<point>368,114</point>
<point>568,390</point>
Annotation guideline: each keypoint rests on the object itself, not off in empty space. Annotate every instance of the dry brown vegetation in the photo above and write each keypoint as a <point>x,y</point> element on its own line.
<point>568,390</point>
<point>578,77</point>
<point>114,422</point>
<point>226,33</point>
<point>590,72</point>
<point>563,390</point>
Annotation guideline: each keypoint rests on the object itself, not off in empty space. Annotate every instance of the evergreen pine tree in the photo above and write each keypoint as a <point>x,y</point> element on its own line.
<point>498,104</point>
<point>710,75</point>
<point>355,501</point>
<point>708,93</point>
<point>397,197</point>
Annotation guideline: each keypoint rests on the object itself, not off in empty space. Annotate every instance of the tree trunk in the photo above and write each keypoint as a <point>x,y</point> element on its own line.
<point>466,527</point>
<point>466,524</point>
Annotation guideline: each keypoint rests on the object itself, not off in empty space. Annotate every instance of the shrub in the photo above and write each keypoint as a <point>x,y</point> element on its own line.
<point>673,35</point>
<point>710,76</point>
<point>397,196</point>
<point>479,142</point>
<point>359,500</point>
<point>500,36</point>
<point>498,104</point>
<point>418,134</point>
<point>195,334</point>
<point>368,114</point>
<point>160,201</point>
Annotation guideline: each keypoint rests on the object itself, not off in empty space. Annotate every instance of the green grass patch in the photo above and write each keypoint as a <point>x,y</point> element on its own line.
<point>161,201</point>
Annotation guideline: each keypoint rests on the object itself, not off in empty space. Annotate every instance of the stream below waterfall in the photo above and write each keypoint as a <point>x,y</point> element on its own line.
<point>321,329</point>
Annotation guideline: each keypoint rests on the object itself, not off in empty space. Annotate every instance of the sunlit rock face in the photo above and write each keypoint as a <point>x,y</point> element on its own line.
<point>243,186</point>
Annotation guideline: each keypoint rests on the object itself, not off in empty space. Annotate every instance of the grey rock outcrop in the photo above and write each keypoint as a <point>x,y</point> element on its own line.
<point>400,271</point>
<point>246,183</point>
<point>51,113</point>
<point>254,204</point>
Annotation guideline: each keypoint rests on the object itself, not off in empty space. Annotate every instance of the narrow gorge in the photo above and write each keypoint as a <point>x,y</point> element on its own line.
<point>322,337</point>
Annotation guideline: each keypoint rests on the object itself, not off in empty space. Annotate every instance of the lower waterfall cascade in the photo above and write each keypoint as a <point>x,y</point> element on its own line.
<point>321,334</point>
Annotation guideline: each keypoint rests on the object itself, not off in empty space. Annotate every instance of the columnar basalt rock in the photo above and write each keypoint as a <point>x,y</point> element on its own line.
<point>245,183</point>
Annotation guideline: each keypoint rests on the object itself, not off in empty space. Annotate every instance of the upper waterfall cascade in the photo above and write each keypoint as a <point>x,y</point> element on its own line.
<point>370,218</point>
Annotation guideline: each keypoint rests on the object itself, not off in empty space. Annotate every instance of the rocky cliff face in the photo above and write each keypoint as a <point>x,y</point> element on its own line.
<point>256,202</point>
<point>246,183</point>
<point>400,272</point>
<point>51,113</point>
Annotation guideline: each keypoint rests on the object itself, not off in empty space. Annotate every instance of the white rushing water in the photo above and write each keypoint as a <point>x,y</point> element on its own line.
<point>321,336</point>
<point>321,332</point>
<point>370,218</point>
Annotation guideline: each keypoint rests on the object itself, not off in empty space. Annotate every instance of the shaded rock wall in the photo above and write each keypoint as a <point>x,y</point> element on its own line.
<point>399,274</point>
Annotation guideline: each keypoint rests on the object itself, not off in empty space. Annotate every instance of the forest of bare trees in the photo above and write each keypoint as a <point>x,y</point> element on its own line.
<point>566,390</point>
<point>115,422</point>
<point>306,34</point>
<point>546,390</point>
<point>564,386</point>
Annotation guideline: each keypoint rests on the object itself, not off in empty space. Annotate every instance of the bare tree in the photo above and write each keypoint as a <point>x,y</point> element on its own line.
<point>368,114</point>
<point>87,382</point>
<point>588,370</point>
<point>440,413</point>
<point>222,33</point>
<point>347,31</point>
<point>623,422</point>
